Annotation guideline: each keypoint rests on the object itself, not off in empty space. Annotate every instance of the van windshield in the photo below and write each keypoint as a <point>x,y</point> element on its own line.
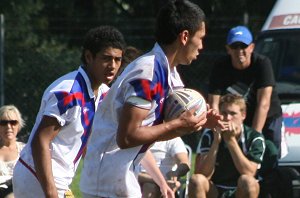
<point>283,48</point>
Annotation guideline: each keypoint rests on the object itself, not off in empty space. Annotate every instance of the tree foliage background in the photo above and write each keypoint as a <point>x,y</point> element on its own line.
<point>43,38</point>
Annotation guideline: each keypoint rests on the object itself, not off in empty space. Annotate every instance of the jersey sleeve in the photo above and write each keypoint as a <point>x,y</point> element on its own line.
<point>177,146</point>
<point>205,142</point>
<point>63,106</point>
<point>141,93</point>
<point>257,149</point>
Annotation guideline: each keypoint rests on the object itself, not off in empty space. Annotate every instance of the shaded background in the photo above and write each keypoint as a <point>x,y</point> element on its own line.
<point>42,40</point>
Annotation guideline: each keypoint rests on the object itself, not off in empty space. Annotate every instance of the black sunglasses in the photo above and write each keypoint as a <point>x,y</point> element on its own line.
<point>11,122</point>
<point>238,46</point>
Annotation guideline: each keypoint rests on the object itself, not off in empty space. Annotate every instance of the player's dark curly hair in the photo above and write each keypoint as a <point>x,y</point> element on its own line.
<point>100,38</point>
<point>176,16</point>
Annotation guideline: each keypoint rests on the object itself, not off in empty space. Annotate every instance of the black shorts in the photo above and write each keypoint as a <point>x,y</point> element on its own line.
<point>226,193</point>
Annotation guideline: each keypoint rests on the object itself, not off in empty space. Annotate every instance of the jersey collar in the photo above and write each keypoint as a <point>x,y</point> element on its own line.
<point>87,81</point>
<point>174,79</point>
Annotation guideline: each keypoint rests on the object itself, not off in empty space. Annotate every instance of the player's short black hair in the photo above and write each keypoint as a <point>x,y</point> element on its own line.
<point>176,16</point>
<point>100,38</point>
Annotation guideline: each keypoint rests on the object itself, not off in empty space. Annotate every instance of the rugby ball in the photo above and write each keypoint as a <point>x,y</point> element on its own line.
<point>181,100</point>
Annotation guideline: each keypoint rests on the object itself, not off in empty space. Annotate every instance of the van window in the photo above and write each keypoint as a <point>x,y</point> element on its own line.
<point>283,48</point>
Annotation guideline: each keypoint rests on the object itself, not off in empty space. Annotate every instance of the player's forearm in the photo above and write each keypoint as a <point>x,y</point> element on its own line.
<point>165,131</point>
<point>146,134</point>
<point>149,134</point>
<point>132,132</point>
<point>43,167</point>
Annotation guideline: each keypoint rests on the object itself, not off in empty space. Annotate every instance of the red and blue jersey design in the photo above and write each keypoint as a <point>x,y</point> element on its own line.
<point>78,96</point>
<point>71,100</point>
<point>156,89</point>
<point>150,78</point>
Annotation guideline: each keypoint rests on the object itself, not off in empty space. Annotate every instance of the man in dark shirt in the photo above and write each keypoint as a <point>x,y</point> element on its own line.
<point>246,73</point>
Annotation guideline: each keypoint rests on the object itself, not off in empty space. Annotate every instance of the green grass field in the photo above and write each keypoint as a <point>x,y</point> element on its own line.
<point>75,184</point>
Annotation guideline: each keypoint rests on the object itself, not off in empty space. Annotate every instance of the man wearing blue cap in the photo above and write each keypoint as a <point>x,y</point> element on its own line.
<point>243,72</point>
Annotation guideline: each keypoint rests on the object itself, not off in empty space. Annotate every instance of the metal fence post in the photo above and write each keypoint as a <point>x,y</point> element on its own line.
<point>1,59</point>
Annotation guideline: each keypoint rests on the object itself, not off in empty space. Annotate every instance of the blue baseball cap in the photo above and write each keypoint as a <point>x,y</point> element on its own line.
<point>239,34</point>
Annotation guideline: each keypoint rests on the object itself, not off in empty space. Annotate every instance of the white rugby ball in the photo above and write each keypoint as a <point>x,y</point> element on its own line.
<point>181,100</point>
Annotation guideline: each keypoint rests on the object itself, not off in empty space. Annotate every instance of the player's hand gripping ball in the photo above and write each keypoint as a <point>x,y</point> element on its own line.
<point>181,100</point>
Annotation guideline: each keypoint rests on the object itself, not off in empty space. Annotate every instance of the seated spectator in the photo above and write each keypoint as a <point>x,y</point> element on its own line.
<point>149,164</point>
<point>11,123</point>
<point>172,159</point>
<point>227,160</point>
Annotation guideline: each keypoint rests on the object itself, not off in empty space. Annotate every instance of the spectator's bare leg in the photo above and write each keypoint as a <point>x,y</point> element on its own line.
<point>10,195</point>
<point>248,187</point>
<point>150,190</point>
<point>200,187</point>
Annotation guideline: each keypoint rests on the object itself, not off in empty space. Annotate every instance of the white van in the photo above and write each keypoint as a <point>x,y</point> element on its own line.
<point>280,41</point>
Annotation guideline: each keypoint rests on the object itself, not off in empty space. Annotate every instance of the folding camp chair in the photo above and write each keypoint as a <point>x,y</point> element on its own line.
<point>183,190</point>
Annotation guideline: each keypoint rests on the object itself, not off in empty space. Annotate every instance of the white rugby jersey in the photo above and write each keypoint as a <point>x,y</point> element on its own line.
<point>164,153</point>
<point>70,99</point>
<point>109,171</point>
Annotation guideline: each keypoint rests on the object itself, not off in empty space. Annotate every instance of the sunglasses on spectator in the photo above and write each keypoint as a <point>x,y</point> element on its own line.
<point>238,46</point>
<point>11,122</point>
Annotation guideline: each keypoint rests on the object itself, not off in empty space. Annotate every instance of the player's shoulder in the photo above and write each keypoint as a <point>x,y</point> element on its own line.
<point>147,61</point>
<point>64,82</point>
<point>141,68</point>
